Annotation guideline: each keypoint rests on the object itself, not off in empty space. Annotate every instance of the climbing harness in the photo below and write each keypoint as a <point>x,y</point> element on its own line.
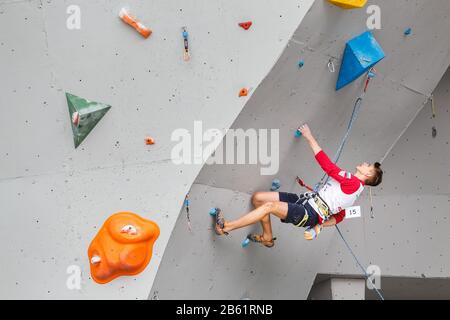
<point>324,209</point>
<point>303,198</point>
<point>304,220</point>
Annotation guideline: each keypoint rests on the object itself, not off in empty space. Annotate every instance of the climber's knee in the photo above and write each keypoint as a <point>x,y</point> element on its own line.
<point>276,207</point>
<point>259,198</point>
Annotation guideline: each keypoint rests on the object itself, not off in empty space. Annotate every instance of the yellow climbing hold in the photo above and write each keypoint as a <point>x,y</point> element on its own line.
<point>349,4</point>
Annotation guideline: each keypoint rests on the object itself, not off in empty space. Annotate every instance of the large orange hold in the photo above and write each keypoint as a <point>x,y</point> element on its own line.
<point>122,247</point>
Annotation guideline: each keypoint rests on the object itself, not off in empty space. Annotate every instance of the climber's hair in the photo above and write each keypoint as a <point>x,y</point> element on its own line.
<point>377,177</point>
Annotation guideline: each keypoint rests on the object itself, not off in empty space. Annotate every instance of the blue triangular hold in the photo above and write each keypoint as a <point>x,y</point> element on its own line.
<point>361,54</point>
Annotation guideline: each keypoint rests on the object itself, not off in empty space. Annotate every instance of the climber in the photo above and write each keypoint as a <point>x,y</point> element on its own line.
<point>311,210</point>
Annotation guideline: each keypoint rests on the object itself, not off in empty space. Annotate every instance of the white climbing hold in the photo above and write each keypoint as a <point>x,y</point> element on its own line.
<point>130,229</point>
<point>95,259</point>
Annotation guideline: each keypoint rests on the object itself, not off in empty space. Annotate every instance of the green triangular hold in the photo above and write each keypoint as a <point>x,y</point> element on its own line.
<point>84,116</point>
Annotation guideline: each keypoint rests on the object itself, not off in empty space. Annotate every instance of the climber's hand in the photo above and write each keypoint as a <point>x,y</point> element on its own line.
<point>306,132</point>
<point>312,233</point>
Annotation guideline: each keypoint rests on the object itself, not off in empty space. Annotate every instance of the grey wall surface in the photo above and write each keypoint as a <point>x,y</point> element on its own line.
<point>407,236</point>
<point>54,198</point>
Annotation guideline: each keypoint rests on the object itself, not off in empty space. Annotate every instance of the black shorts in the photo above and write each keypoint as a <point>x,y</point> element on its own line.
<point>297,212</point>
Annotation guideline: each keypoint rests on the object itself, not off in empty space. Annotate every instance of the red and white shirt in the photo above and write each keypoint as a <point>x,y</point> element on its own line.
<point>341,190</point>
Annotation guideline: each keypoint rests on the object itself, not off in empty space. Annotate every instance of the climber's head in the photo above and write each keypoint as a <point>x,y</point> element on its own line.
<point>370,173</point>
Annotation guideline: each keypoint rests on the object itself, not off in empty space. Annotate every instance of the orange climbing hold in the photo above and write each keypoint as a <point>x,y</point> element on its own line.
<point>149,141</point>
<point>245,25</point>
<point>132,21</point>
<point>243,92</point>
<point>122,247</point>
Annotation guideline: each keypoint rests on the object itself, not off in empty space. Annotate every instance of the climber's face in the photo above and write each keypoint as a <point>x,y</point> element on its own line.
<point>366,169</point>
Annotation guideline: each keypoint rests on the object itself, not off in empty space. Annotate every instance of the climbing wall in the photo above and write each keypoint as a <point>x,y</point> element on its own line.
<point>53,197</point>
<point>414,64</point>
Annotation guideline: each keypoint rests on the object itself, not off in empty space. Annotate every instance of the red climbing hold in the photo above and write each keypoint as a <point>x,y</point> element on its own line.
<point>245,25</point>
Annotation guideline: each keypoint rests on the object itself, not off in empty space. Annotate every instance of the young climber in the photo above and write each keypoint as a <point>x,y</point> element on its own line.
<point>310,210</point>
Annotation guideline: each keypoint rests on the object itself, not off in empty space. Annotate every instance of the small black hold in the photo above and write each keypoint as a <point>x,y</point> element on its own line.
<point>434,132</point>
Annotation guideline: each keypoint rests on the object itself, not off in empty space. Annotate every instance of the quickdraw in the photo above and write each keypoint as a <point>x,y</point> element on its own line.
<point>186,204</point>
<point>186,53</point>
